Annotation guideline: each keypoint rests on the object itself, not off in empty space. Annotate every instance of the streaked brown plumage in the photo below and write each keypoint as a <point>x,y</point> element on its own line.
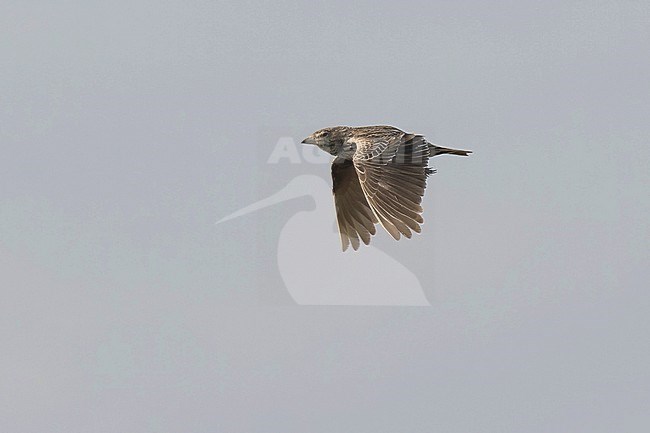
<point>379,176</point>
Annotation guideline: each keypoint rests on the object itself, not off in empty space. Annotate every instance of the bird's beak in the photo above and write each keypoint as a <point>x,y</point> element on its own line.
<point>309,140</point>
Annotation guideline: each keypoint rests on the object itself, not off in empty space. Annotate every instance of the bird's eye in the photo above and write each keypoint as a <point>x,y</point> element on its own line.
<point>325,133</point>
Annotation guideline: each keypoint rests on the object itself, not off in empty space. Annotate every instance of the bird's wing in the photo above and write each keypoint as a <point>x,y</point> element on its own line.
<point>392,174</point>
<point>353,214</point>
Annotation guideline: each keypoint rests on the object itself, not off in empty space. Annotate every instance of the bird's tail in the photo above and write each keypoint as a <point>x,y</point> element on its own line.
<point>437,150</point>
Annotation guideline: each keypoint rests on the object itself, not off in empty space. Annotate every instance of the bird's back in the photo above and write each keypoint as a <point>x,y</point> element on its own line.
<point>376,132</point>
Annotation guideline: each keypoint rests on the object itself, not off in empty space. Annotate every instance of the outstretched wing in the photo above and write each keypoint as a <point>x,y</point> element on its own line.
<point>353,214</point>
<point>392,174</point>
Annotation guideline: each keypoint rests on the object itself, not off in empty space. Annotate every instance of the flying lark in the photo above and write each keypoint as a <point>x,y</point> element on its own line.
<point>379,176</point>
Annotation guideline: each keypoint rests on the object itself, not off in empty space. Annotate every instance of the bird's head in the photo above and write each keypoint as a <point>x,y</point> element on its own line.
<point>329,139</point>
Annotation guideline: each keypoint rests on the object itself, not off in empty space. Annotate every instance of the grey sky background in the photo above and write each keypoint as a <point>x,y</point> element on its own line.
<point>127,129</point>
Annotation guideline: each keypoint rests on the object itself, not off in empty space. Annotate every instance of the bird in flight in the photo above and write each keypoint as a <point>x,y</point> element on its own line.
<point>379,176</point>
